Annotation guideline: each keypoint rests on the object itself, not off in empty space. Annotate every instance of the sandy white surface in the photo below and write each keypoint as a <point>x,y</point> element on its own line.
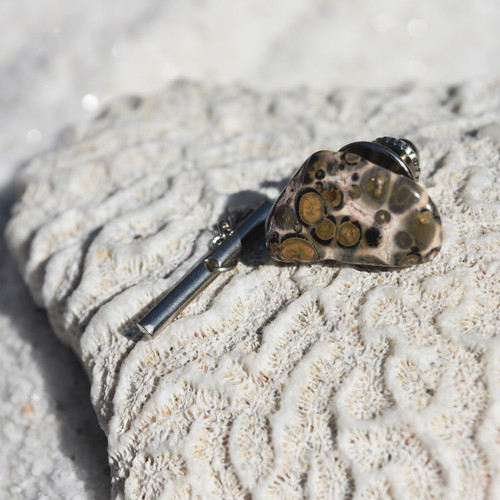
<point>59,61</point>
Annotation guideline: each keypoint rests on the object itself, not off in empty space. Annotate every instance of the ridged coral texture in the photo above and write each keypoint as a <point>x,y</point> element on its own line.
<point>279,381</point>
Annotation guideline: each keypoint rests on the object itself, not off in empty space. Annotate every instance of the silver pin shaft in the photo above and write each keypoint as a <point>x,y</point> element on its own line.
<point>221,258</point>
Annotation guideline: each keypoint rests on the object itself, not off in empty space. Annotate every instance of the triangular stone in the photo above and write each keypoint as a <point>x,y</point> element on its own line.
<point>339,206</point>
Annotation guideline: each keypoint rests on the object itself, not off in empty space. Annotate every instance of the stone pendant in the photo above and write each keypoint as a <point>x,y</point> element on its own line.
<point>341,206</point>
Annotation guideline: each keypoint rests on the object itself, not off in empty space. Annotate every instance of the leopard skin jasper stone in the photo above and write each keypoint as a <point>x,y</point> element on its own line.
<point>339,206</point>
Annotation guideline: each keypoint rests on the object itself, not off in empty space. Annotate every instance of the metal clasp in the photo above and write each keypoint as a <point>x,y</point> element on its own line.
<point>226,248</point>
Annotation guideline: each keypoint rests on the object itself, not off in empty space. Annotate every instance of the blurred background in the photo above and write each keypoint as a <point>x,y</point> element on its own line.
<point>60,61</point>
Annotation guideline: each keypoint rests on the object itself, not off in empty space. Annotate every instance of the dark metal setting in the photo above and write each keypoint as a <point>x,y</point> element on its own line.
<point>397,155</point>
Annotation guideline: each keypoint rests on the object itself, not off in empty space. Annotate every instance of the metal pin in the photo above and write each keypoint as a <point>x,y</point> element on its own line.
<point>223,257</point>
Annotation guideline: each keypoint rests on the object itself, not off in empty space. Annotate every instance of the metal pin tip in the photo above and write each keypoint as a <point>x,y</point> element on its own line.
<point>146,328</point>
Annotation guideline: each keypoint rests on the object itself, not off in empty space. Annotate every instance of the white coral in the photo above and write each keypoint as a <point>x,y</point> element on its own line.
<point>277,381</point>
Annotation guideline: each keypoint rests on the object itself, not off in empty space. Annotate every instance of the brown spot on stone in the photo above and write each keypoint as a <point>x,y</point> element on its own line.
<point>408,260</point>
<point>404,195</point>
<point>348,234</point>
<point>325,229</point>
<point>403,239</point>
<point>285,217</point>
<point>382,217</point>
<point>355,192</point>
<point>375,184</point>
<point>352,158</point>
<point>311,208</point>
<point>298,249</point>
<point>333,196</point>
<point>297,228</point>
<point>423,228</point>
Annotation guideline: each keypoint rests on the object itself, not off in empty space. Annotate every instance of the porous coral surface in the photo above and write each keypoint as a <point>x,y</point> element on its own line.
<point>278,381</point>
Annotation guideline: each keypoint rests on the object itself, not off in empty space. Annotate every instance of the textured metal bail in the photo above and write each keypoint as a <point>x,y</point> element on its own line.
<point>406,150</point>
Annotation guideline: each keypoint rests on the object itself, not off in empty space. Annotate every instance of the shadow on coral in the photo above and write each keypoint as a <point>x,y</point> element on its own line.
<point>81,438</point>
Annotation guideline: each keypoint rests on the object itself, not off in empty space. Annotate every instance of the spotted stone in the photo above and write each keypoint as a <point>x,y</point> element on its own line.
<point>403,239</point>
<point>405,195</point>
<point>382,216</point>
<point>311,207</point>
<point>333,196</point>
<point>375,185</point>
<point>352,158</point>
<point>341,207</point>
<point>325,229</point>
<point>285,216</point>
<point>316,166</point>
<point>348,234</point>
<point>355,191</point>
<point>298,250</point>
<point>424,227</point>
<point>372,237</point>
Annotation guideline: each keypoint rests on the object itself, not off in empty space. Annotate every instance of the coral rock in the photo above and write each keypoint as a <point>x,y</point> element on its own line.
<point>279,380</point>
